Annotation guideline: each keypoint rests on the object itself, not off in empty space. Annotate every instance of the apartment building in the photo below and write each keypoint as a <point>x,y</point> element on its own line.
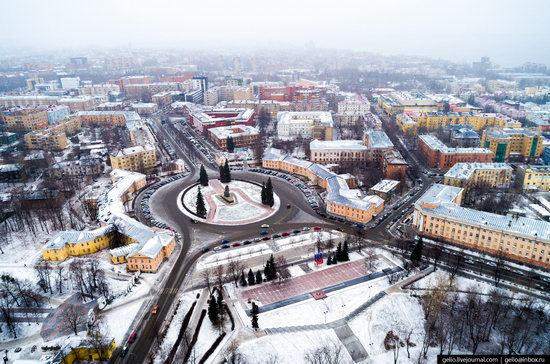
<point>54,137</point>
<point>138,158</point>
<point>162,99</point>
<point>213,118</point>
<point>242,135</point>
<point>378,143</point>
<point>534,177</point>
<point>490,175</point>
<point>406,102</point>
<point>272,107</point>
<point>411,123</point>
<point>343,152</point>
<point>25,119</point>
<point>308,124</point>
<point>394,165</point>
<point>440,156</point>
<point>513,144</point>
<point>438,215</point>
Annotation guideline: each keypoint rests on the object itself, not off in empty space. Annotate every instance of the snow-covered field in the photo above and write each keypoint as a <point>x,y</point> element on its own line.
<point>289,348</point>
<point>398,312</point>
<point>239,254</point>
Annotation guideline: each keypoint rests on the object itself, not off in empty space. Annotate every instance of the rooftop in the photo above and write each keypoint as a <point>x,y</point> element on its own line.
<point>337,145</point>
<point>466,170</point>
<point>436,144</point>
<point>385,186</point>
<point>378,139</point>
<point>223,132</point>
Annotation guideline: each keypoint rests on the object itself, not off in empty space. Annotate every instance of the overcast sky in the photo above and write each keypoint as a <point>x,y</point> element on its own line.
<point>509,31</point>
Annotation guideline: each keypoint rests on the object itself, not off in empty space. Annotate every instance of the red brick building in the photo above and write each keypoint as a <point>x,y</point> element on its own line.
<point>438,155</point>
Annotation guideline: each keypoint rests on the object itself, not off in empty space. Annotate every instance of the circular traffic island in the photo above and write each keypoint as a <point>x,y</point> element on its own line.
<point>235,203</point>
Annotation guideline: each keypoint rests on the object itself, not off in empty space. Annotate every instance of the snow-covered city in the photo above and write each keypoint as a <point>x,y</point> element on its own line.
<point>274,183</point>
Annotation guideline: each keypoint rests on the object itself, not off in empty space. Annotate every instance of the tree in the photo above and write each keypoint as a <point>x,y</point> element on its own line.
<point>270,270</point>
<point>207,276</point>
<point>243,279</point>
<point>370,260</point>
<point>226,191</point>
<point>416,254</point>
<point>392,342</point>
<point>269,198</point>
<point>227,171</point>
<point>219,274</point>
<point>259,279</point>
<point>329,260</point>
<point>334,259</point>
<point>234,267</point>
<point>282,270</point>
<point>72,318</point>
<point>230,144</point>
<point>203,176</point>
<point>345,251</point>
<point>255,310</point>
<point>326,353</point>
<point>251,277</point>
<point>201,207</point>
<point>213,313</point>
<point>263,194</point>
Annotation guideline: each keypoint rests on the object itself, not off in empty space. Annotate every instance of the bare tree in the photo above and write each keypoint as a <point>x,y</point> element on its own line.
<point>72,318</point>
<point>219,274</point>
<point>234,268</point>
<point>207,277</point>
<point>233,354</point>
<point>283,272</point>
<point>393,342</point>
<point>328,353</point>
<point>370,260</point>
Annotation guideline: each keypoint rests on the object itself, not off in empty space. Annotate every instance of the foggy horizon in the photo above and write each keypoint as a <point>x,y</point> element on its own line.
<point>510,35</point>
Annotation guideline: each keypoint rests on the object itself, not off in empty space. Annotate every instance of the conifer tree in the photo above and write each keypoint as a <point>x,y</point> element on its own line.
<point>203,176</point>
<point>416,254</point>
<point>243,279</point>
<point>339,253</point>
<point>251,278</point>
<point>264,197</point>
<point>259,278</point>
<point>255,310</point>
<point>329,260</point>
<point>230,144</point>
<point>213,310</point>
<point>227,172</point>
<point>345,251</point>
<point>269,199</point>
<point>334,259</point>
<point>201,207</point>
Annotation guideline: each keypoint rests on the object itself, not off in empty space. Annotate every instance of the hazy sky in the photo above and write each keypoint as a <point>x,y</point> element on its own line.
<point>509,31</point>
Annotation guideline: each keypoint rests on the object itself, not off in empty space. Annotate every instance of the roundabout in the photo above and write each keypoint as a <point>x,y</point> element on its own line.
<point>238,202</point>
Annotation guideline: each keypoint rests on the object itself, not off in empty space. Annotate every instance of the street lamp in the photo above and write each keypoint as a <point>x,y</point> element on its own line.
<point>325,312</point>
<point>343,309</point>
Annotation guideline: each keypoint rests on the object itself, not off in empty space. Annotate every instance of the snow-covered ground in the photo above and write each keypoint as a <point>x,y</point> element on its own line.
<point>186,300</point>
<point>239,254</point>
<point>334,307</point>
<point>290,348</point>
<point>190,197</point>
<point>398,312</point>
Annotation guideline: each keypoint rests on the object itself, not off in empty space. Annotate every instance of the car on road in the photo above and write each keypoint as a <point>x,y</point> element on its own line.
<point>247,242</point>
<point>265,226</point>
<point>224,241</point>
<point>288,206</point>
<point>266,238</point>
<point>264,232</point>
<point>217,249</point>
<point>132,337</point>
<point>205,249</point>
<point>285,234</point>
<point>316,228</point>
<point>276,236</point>
<point>226,246</point>
<point>236,244</point>
<point>492,264</point>
<point>306,228</point>
<point>124,351</point>
<point>296,231</point>
<point>257,240</point>
<point>155,310</point>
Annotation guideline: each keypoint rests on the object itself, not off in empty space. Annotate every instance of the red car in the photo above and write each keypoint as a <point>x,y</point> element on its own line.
<point>266,238</point>
<point>132,337</point>
<point>285,234</point>
<point>236,244</point>
<point>316,228</point>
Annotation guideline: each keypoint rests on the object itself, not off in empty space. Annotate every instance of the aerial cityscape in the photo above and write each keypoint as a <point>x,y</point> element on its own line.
<point>271,183</point>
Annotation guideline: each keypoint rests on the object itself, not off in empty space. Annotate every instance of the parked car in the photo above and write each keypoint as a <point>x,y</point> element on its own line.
<point>316,228</point>
<point>226,246</point>
<point>285,234</point>
<point>247,242</point>
<point>236,244</point>
<point>224,241</point>
<point>306,228</point>
<point>264,232</point>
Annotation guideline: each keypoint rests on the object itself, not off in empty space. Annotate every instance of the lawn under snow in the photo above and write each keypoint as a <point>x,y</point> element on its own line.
<point>291,347</point>
<point>398,312</point>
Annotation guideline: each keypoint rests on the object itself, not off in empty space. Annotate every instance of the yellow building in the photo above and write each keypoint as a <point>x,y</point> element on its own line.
<point>139,158</point>
<point>467,175</point>
<point>438,215</point>
<point>102,117</point>
<point>534,177</point>
<point>54,137</point>
<point>411,123</point>
<point>76,243</point>
<point>26,119</point>
<point>77,349</point>
<point>509,143</point>
<point>341,200</point>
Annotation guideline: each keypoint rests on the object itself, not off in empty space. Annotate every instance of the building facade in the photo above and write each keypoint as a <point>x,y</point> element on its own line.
<point>515,144</point>
<point>438,155</point>
<point>138,158</point>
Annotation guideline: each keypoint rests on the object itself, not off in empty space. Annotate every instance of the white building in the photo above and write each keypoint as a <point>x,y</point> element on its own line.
<point>70,83</point>
<point>292,124</point>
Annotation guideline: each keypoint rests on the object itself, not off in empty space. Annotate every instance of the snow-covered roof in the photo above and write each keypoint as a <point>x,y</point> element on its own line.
<point>466,170</point>
<point>224,132</point>
<point>438,194</point>
<point>323,117</point>
<point>133,150</point>
<point>337,145</point>
<point>378,139</point>
<point>374,199</point>
<point>385,186</point>
<point>436,144</point>
<point>72,236</point>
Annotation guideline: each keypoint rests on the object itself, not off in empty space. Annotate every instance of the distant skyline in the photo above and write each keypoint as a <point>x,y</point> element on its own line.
<point>509,32</point>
